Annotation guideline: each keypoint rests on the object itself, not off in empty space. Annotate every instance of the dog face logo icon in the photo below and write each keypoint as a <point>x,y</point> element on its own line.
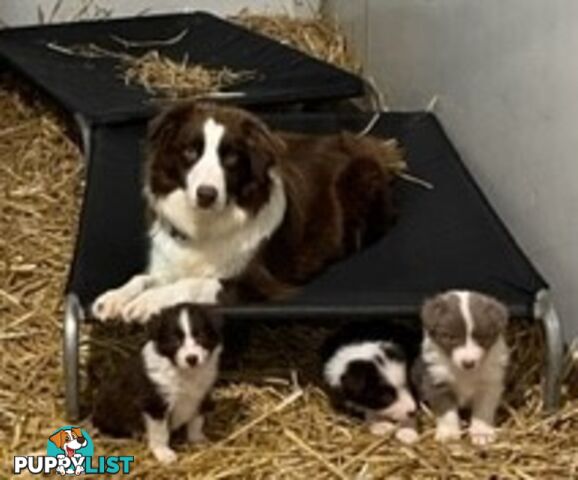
<point>69,451</point>
<point>71,445</point>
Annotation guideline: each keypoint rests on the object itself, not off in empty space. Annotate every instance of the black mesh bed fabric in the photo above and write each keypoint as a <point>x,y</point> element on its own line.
<point>95,89</point>
<point>448,237</point>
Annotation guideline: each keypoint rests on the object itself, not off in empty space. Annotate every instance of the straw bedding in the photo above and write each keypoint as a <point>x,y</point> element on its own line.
<point>317,36</point>
<point>270,420</point>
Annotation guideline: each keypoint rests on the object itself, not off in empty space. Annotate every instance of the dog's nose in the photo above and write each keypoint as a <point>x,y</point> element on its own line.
<point>81,440</point>
<point>468,364</point>
<point>192,360</point>
<point>411,413</point>
<point>206,196</point>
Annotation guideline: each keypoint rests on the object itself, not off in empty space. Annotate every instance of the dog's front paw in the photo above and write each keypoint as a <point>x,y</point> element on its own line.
<point>79,470</point>
<point>447,433</point>
<point>381,428</point>
<point>143,307</point>
<point>110,304</point>
<point>481,433</point>
<point>165,455</point>
<point>407,435</point>
<point>60,470</point>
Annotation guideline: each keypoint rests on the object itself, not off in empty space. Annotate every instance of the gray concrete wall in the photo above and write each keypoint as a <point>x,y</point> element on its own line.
<point>506,73</point>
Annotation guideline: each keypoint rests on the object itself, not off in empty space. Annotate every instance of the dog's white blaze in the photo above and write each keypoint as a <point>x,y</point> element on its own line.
<point>208,170</point>
<point>470,351</point>
<point>190,345</point>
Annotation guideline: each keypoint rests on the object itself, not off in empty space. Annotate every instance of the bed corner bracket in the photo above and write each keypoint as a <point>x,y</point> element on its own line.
<point>545,311</point>
<point>73,316</point>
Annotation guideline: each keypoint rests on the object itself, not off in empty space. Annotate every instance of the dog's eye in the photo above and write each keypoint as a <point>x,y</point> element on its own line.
<point>191,154</point>
<point>448,337</point>
<point>230,159</point>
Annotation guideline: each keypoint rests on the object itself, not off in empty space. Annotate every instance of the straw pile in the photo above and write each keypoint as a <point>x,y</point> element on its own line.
<point>160,75</point>
<point>317,36</point>
<point>267,422</point>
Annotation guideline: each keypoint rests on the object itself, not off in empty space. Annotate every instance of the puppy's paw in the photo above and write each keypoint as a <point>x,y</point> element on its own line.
<point>447,433</point>
<point>407,435</point>
<point>381,428</point>
<point>481,433</point>
<point>143,307</point>
<point>165,455</point>
<point>110,304</point>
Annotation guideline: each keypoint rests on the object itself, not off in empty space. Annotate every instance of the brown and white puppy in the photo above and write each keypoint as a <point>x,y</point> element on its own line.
<point>164,387</point>
<point>240,212</point>
<point>464,357</point>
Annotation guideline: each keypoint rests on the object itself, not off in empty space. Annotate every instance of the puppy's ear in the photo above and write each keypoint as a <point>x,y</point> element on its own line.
<point>264,147</point>
<point>59,438</point>
<point>155,327</point>
<point>213,324</point>
<point>77,432</point>
<point>432,311</point>
<point>353,381</point>
<point>497,313</point>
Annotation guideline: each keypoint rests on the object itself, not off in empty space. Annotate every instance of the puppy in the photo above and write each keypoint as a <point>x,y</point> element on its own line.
<point>463,362</point>
<point>165,387</point>
<point>365,367</point>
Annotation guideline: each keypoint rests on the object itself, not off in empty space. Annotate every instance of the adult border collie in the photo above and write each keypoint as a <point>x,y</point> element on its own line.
<point>242,213</point>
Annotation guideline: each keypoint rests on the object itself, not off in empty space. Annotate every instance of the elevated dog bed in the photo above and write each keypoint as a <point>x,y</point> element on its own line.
<point>448,237</point>
<point>94,88</point>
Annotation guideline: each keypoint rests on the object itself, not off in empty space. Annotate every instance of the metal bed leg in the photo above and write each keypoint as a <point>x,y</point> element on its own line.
<point>544,311</point>
<point>72,318</point>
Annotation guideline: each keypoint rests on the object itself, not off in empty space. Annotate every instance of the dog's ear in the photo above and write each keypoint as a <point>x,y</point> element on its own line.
<point>264,146</point>
<point>213,324</point>
<point>432,311</point>
<point>59,438</point>
<point>166,124</point>
<point>77,432</point>
<point>155,326</point>
<point>497,313</point>
<point>354,379</point>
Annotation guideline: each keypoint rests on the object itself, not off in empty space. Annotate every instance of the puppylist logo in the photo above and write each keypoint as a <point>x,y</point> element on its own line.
<point>69,451</point>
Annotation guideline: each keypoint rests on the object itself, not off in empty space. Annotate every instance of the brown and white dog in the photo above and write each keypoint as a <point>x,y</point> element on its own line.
<point>464,359</point>
<point>241,213</point>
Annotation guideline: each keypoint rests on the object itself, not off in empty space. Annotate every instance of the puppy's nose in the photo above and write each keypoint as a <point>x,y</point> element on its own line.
<point>192,360</point>
<point>206,196</point>
<point>411,413</point>
<point>468,364</point>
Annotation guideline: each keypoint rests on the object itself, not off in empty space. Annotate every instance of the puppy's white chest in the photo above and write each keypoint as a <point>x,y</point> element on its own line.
<point>465,387</point>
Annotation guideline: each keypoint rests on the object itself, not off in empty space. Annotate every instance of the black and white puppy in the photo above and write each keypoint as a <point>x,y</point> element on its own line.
<point>165,387</point>
<point>463,362</point>
<point>366,368</point>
